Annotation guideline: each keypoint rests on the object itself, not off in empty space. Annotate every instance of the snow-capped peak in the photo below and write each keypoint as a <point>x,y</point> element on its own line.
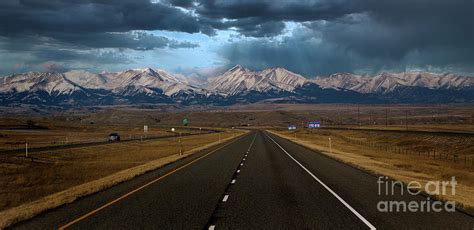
<point>148,81</point>
<point>51,83</point>
<point>156,85</point>
<point>388,82</point>
<point>240,80</point>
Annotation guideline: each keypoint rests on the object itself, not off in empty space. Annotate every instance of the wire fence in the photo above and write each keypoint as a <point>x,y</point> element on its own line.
<point>429,154</point>
<point>458,159</point>
<point>25,146</point>
<point>69,141</point>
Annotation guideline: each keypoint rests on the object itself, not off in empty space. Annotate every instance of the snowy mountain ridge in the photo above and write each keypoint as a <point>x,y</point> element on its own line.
<point>240,80</point>
<point>236,85</point>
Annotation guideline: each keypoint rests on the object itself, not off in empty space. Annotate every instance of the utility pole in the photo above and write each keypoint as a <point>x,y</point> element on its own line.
<point>386,117</point>
<point>358,114</point>
<point>406,119</point>
<point>26,150</point>
<point>330,145</point>
<point>180,145</point>
<point>371,119</point>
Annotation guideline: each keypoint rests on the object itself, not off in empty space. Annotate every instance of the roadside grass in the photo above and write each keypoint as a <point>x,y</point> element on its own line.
<point>467,128</point>
<point>16,138</point>
<point>44,173</point>
<point>401,167</point>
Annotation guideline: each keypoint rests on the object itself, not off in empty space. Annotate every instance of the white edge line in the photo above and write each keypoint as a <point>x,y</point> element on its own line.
<point>233,181</point>
<point>212,227</point>
<point>327,188</point>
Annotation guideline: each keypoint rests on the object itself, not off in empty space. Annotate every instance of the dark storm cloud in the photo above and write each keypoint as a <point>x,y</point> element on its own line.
<point>254,28</point>
<point>283,10</point>
<point>95,23</point>
<point>373,36</point>
<point>92,16</point>
<point>181,3</point>
<point>102,57</point>
<point>393,29</point>
<point>60,60</point>
<point>39,28</point>
<point>265,18</point>
<point>333,35</point>
<point>130,40</point>
<point>306,57</point>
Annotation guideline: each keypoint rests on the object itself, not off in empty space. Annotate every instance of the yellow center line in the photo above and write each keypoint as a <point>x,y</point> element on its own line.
<point>143,186</point>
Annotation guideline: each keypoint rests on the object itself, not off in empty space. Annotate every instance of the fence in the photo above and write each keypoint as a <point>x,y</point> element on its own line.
<point>432,154</point>
<point>20,147</point>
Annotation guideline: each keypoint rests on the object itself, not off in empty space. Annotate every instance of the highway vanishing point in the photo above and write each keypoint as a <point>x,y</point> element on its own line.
<point>257,181</point>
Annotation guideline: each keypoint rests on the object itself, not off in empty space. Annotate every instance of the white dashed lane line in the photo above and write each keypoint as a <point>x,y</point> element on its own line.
<point>226,197</point>
<point>213,220</point>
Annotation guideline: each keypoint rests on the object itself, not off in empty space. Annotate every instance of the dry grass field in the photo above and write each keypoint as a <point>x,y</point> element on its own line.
<point>39,132</point>
<point>27,179</point>
<point>402,156</point>
<point>24,180</point>
<point>449,117</point>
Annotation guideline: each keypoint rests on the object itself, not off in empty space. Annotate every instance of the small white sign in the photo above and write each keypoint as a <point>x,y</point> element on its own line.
<point>145,128</point>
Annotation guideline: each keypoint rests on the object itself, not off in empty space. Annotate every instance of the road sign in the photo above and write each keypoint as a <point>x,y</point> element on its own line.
<point>145,128</point>
<point>314,124</point>
<point>291,127</point>
<point>185,121</point>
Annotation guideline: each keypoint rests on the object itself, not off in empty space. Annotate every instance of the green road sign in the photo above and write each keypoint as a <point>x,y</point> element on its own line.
<point>185,121</point>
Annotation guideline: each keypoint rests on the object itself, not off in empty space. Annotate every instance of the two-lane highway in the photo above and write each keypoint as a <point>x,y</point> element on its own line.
<point>258,181</point>
<point>273,191</point>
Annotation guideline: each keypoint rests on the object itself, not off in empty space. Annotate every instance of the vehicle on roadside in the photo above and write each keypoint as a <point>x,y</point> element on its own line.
<point>114,137</point>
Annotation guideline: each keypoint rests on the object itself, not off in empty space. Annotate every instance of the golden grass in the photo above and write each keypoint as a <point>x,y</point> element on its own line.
<point>16,138</point>
<point>448,117</point>
<point>400,167</point>
<point>27,180</point>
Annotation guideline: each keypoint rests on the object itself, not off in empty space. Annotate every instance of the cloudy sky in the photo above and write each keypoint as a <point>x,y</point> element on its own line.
<point>310,37</point>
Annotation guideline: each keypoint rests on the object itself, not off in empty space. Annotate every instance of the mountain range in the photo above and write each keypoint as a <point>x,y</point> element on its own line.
<point>237,85</point>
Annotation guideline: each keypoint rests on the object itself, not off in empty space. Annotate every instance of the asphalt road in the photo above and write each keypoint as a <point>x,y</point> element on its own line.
<point>259,181</point>
<point>13,152</point>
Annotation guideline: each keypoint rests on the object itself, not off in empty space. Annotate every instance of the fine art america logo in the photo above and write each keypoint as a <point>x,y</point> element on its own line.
<point>396,193</point>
